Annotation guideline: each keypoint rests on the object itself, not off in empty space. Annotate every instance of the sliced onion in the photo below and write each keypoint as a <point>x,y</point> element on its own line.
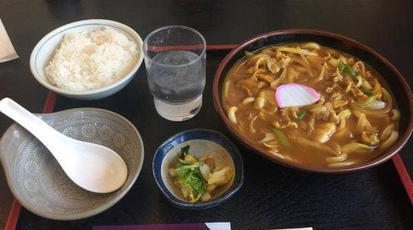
<point>355,147</point>
<point>376,105</point>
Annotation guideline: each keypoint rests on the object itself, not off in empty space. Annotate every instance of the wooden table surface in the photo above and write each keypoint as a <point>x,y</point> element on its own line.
<point>272,196</point>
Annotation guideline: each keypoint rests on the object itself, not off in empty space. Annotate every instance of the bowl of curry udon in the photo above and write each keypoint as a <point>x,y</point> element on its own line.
<point>314,101</point>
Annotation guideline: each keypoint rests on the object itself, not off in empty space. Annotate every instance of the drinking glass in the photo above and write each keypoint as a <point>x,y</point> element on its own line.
<point>175,60</point>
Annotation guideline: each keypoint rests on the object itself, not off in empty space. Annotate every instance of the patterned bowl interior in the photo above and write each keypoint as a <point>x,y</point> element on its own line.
<point>39,183</point>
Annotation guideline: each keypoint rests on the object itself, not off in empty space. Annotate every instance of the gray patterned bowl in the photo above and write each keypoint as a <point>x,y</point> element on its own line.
<point>38,182</point>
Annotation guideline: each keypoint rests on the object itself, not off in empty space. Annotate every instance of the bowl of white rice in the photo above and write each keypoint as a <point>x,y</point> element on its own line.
<point>88,59</point>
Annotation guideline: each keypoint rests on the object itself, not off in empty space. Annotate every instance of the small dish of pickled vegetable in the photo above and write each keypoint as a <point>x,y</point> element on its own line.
<point>198,169</point>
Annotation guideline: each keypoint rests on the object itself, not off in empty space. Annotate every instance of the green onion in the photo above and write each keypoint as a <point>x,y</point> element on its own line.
<point>368,92</point>
<point>341,67</point>
<point>281,137</point>
<point>300,115</point>
<point>344,114</point>
<point>248,53</point>
<point>346,67</point>
<point>367,101</point>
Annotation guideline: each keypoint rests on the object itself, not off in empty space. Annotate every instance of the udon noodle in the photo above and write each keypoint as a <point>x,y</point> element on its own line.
<point>354,120</point>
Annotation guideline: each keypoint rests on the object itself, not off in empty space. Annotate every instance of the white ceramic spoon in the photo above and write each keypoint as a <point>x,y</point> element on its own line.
<point>91,166</point>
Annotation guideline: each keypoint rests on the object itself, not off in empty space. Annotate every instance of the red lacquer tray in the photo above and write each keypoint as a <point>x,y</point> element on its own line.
<point>15,209</point>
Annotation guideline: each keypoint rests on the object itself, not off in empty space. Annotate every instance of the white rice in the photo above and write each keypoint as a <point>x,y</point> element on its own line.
<point>86,61</point>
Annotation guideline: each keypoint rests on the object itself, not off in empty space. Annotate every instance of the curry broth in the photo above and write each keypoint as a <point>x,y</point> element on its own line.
<point>354,120</point>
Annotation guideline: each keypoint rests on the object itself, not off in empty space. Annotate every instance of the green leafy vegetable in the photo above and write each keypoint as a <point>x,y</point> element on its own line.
<point>184,151</point>
<point>198,178</point>
<point>192,179</point>
<point>189,175</point>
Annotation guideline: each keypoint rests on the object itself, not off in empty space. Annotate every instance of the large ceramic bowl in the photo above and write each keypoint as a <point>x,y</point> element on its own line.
<point>39,183</point>
<point>202,142</point>
<point>398,85</point>
<point>45,48</point>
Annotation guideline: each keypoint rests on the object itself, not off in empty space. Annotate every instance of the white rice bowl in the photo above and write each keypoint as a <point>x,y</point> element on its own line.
<point>89,59</point>
<point>86,61</point>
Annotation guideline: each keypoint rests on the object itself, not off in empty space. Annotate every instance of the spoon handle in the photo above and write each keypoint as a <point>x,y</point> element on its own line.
<point>46,134</point>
